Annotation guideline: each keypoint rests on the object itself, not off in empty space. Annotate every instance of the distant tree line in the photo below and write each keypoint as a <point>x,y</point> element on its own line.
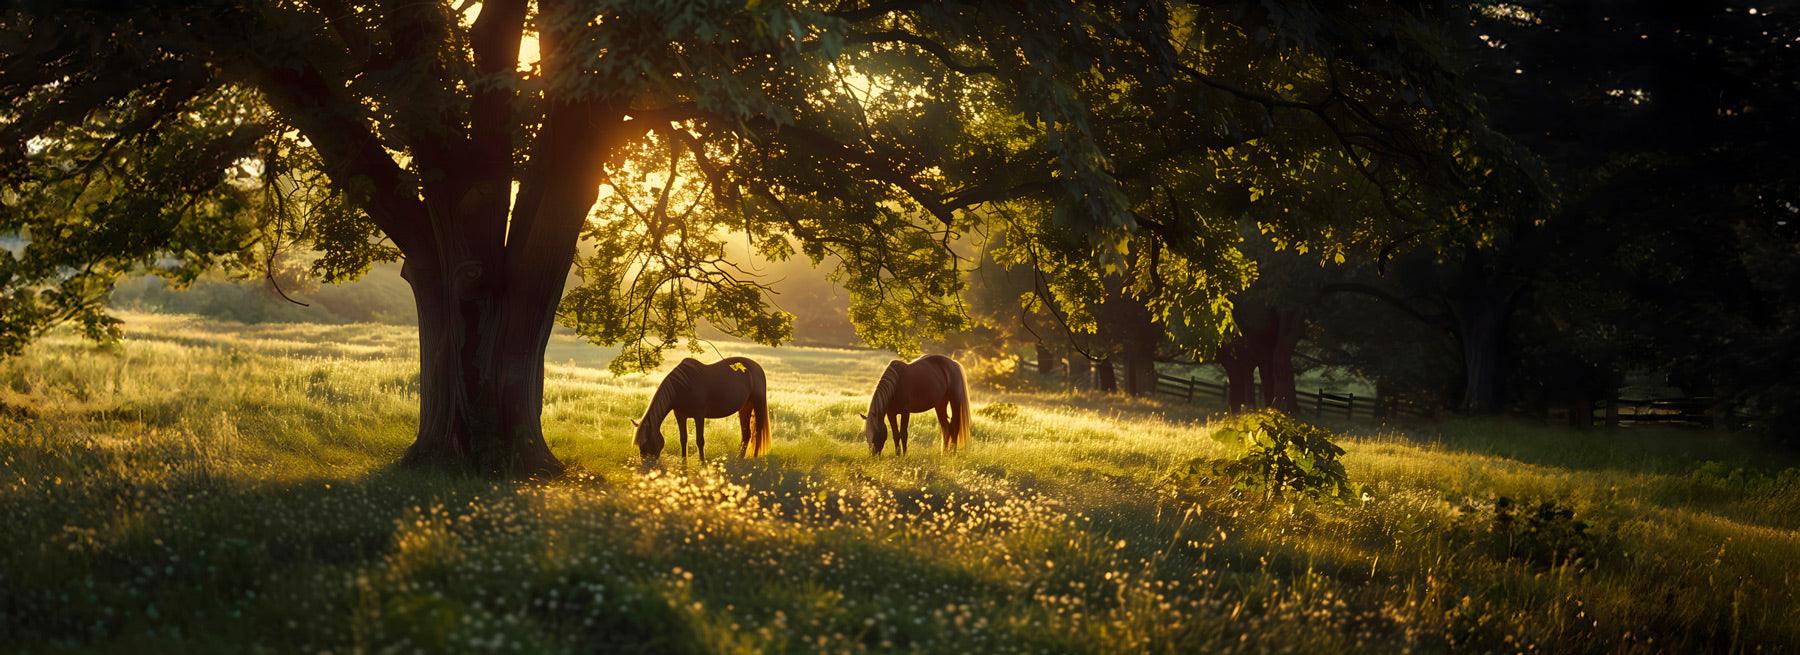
<point>1666,243</point>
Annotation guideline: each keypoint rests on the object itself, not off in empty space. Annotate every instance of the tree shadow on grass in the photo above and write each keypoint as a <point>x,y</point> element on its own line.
<point>1636,450</point>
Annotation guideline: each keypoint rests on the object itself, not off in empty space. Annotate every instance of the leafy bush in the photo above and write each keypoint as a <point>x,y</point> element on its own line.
<point>1542,532</point>
<point>1716,475</point>
<point>1280,455</point>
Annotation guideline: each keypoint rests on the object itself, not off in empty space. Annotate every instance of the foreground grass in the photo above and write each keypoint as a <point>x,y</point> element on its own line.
<point>216,487</point>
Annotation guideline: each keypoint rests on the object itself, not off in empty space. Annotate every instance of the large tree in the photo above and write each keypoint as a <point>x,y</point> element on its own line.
<point>474,140</point>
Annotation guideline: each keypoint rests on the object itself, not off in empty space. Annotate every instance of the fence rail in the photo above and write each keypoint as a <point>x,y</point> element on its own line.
<point>1698,412</point>
<point>1322,402</point>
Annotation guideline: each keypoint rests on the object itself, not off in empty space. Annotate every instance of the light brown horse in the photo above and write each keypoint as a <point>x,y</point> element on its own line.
<point>929,382</point>
<point>734,385</point>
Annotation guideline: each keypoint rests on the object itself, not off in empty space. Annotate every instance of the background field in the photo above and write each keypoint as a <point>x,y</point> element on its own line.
<point>210,486</point>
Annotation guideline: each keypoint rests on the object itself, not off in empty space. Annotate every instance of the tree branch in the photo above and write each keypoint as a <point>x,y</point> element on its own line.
<point>875,11</point>
<point>495,38</point>
<point>1378,293</point>
<point>933,48</point>
<point>354,156</point>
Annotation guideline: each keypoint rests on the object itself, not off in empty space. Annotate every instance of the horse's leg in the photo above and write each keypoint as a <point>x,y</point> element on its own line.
<point>944,423</point>
<point>893,421</point>
<point>700,435</point>
<point>744,424</point>
<point>681,425</point>
<point>905,432</point>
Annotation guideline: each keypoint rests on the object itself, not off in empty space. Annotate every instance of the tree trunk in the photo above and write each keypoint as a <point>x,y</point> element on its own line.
<point>1046,359</point>
<point>487,286</point>
<point>1240,373</point>
<point>1140,369</point>
<point>1481,331</point>
<point>1581,409</point>
<point>481,376</point>
<point>1104,378</point>
<point>1276,360</point>
<point>1385,402</point>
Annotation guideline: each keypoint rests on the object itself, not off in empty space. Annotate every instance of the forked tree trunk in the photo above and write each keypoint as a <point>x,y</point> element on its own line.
<point>485,321</point>
<point>486,264</point>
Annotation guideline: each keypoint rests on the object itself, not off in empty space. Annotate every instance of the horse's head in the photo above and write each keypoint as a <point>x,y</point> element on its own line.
<point>875,432</point>
<point>649,439</point>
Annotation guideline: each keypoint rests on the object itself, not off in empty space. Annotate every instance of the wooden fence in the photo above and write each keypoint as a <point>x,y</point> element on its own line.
<point>1693,412</point>
<point>1322,403</point>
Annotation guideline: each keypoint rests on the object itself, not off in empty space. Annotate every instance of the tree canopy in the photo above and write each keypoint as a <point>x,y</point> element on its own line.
<point>482,142</point>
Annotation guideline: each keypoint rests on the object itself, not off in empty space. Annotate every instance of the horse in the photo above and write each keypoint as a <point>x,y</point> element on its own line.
<point>734,385</point>
<point>929,382</point>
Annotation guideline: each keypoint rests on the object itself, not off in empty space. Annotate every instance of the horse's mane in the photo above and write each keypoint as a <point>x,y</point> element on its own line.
<point>884,390</point>
<point>673,383</point>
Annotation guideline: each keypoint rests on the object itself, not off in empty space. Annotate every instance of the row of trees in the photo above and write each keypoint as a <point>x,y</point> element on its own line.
<point>1654,230</point>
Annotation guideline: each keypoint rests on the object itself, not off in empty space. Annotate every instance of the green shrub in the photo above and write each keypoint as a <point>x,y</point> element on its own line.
<point>1716,475</point>
<point>1280,455</point>
<point>1541,532</point>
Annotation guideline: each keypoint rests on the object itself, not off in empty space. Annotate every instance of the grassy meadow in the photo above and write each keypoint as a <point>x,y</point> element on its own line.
<point>217,487</point>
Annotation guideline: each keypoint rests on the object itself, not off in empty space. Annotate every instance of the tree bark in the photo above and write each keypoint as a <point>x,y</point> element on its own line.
<point>486,312</point>
<point>1481,324</point>
<point>1140,368</point>
<point>1240,372</point>
<point>1046,359</point>
<point>480,384</point>
<point>1104,377</point>
<point>1276,360</point>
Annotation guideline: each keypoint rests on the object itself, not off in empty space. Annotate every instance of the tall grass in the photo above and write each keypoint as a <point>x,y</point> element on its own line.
<point>218,487</point>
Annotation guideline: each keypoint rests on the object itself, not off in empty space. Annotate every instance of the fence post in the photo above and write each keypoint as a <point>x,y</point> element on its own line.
<point>1190,388</point>
<point>1319,403</point>
<point>1350,405</point>
<point>1612,412</point>
<point>1717,415</point>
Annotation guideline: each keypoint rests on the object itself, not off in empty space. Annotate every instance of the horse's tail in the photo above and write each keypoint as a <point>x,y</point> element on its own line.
<point>959,401</point>
<point>759,425</point>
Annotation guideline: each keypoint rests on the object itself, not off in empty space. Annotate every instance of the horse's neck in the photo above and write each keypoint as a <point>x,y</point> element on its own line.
<point>664,401</point>
<point>887,392</point>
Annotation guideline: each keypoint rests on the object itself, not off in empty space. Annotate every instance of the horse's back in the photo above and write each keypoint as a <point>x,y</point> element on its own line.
<point>723,387</point>
<point>741,365</point>
<point>925,382</point>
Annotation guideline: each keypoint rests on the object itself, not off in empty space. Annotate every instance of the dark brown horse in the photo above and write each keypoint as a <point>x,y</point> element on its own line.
<point>929,382</point>
<point>734,385</point>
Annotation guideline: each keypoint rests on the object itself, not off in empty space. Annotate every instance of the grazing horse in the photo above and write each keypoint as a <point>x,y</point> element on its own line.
<point>734,385</point>
<point>929,382</point>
